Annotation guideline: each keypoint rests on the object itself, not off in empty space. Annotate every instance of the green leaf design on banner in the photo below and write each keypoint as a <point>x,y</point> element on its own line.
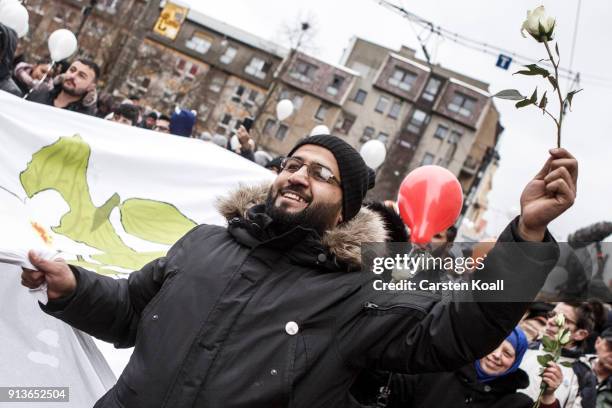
<point>62,166</point>
<point>154,220</point>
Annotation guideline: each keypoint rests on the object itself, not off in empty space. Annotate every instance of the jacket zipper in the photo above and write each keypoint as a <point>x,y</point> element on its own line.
<point>374,306</point>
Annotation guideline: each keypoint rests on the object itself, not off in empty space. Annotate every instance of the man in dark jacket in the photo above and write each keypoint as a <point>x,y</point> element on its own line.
<point>273,310</point>
<point>8,45</point>
<point>78,81</point>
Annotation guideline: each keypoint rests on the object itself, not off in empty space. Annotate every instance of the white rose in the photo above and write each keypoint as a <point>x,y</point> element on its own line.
<point>539,25</point>
<point>560,320</point>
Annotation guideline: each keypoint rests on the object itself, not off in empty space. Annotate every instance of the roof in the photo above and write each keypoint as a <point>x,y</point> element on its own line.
<point>232,31</point>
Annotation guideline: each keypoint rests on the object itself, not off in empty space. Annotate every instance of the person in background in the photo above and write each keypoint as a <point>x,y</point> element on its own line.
<point>534,321</point>
<point>8,45</point>
<point>126,114</point>
<point>246,145</point>
<point>149,121</point>
<point>601,365</point>
<point>447,236</point>
<point>274,165</point>
<point>182,122</point>
<point>582,319</point>
<point>162,124</point>
<point>491,381</point>
<point>72,88</point>
<point>27,76</point>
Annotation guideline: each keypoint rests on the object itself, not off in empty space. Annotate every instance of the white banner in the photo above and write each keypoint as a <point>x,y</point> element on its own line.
<point>105,196</point>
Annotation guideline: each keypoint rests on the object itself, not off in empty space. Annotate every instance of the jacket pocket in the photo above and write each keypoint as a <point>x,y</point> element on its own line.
<point>149,309</point>
<point>398,308</point>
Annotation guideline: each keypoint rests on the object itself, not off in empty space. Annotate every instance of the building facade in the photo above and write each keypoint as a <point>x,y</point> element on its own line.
<point>424,114</point>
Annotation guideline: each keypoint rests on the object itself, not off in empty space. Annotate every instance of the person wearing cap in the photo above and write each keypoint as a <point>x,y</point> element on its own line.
<point>274,310</point>
<point>597,373</point>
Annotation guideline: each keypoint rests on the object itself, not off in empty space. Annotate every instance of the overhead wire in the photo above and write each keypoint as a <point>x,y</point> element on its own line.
<point>490,49</point>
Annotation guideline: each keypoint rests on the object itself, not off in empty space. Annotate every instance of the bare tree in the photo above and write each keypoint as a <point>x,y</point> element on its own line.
<point>291,33</point>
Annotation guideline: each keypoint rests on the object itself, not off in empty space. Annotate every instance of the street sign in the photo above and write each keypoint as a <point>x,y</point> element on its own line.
<point>503,61</point>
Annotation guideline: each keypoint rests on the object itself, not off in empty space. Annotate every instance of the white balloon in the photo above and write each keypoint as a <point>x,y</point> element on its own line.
<point>62,44</point>
<point>284,109</point>
<point>319,130</point>
<point>15,16</point>
<point>373,153</point>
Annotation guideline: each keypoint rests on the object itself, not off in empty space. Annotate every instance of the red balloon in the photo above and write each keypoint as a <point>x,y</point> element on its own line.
<point>429,201</point>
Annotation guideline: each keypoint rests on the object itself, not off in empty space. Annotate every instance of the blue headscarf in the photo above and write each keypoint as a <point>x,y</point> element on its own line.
<point>519,342</point>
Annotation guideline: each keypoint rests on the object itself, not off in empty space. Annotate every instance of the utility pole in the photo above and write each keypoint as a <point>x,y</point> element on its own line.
<point>282,69</point>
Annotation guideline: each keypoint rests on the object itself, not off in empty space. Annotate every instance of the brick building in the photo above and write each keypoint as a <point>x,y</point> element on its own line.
<point>425,114</point>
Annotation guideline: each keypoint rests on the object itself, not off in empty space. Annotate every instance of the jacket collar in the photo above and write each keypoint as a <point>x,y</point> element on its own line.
<point>503,384</point>
<point>343,242</point>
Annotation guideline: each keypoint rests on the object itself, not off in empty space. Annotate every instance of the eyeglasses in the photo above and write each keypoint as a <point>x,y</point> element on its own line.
<point>553,314</point>
<point>315,170</point>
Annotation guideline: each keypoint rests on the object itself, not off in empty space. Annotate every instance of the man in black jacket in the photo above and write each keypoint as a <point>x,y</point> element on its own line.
<point>78,81</point>
<point>273,310</point>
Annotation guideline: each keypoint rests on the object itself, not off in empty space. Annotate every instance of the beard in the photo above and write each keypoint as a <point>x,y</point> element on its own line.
<point>73,91</point>
<point>318,216</point>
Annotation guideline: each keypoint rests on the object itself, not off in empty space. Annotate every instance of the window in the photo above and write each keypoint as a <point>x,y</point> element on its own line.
<point>395,109</point>
<point>402,79</point>
<point>226,119</point>
<point>216,84</point>
<point>419,118</point>
<point>304,71</point>
<point>321,112</point>
<point>228,55</point>
<point>441,132</point>
<point>253,95</point>
<point>427,159</point>
<point>297,101</point>
<point>237,97</point>
<point>383,137</point>
<point>335,85</point>
<point>281,133</point>
<point>368,132</point>
<point>454,137</point>
<point>360,96</point>
<point>193,70</point>
<point>199,42</point>
<point>382,104</point>
<point>431,90</point>
<point>258,68</point>
<point>269,127</point>
<point>462,104</point>
<point>346,123</point>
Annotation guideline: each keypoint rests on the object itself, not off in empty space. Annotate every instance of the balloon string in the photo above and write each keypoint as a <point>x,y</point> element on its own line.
<point>42,81</point>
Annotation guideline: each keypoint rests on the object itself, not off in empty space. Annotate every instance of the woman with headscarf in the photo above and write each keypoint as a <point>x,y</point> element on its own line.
<point>491,381</point>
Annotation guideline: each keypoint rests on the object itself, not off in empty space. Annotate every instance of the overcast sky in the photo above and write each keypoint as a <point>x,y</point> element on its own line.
<point>528,135</point>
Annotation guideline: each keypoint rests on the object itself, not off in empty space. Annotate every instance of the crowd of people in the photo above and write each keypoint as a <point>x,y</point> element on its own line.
<point>509,376</point>
<point>73,86</point>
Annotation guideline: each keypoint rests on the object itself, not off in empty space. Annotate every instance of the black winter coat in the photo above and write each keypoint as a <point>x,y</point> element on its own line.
<point>47,97</point>
<point>446,390</point>
<point>243,317</point>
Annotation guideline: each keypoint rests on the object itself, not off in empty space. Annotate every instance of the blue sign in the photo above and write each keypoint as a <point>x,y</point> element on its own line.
<point>503,61</point>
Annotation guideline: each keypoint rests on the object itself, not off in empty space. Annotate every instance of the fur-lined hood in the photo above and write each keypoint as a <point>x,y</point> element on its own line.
<point>344,241</point>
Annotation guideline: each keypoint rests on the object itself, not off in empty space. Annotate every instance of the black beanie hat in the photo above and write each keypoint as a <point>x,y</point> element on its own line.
<point>355,175</point>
